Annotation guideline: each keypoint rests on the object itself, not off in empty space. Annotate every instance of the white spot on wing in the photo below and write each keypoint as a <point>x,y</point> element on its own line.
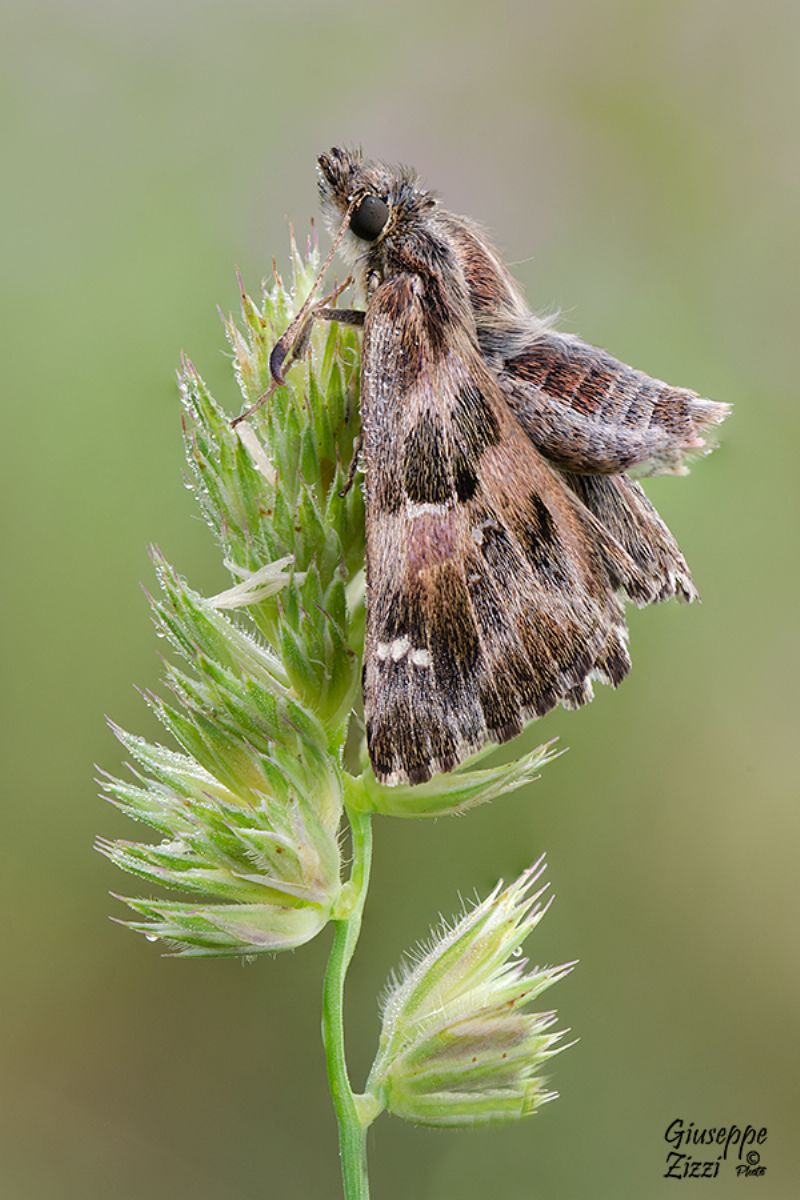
<point>422,510</point>
<point>477,530</point>
<point>400,646</point>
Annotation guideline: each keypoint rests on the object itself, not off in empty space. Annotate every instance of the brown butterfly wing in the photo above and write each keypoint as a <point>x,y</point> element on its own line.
<point>622,508</point>
<point>492,590</point>
<point>591,414</point>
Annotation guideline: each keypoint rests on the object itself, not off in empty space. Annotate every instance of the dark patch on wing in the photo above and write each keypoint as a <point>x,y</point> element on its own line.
<point>403,616</point>
<point>386,484</point>
<point>541,521</point>
<point>543,546</point>
<point>440,313</point>
<point>425,470</point>
<point>475,426</point>
<point>464,476</point>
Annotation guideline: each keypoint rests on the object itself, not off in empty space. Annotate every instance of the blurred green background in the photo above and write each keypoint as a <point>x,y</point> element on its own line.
<point>638,165</point>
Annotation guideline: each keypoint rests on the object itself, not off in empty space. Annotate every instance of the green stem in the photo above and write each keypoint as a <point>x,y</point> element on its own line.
<point>352,1131</point>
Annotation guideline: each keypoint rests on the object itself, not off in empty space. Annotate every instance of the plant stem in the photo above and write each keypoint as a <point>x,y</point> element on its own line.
<point>352,1132</point>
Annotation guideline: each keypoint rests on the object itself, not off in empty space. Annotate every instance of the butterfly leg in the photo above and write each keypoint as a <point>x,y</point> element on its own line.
<point>358,442</point>
<point>294,342</point>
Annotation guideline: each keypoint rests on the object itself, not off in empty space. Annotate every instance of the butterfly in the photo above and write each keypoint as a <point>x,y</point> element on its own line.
<point>504,530</point>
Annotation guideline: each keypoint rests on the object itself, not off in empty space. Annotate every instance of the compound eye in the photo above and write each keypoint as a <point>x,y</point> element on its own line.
<point>369,218</point>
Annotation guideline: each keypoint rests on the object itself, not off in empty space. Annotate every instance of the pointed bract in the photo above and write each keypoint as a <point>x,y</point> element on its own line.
<point>457,1045</point>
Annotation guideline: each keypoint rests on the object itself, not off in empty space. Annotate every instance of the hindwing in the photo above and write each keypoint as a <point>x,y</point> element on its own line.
<point>592,414</point>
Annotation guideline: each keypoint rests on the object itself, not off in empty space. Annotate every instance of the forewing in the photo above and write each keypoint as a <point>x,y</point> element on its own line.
<point>492,591</point>
<point>591,414</point>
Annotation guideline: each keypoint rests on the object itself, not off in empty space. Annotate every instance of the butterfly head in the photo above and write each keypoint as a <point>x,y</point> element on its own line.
<point>382,201</point>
